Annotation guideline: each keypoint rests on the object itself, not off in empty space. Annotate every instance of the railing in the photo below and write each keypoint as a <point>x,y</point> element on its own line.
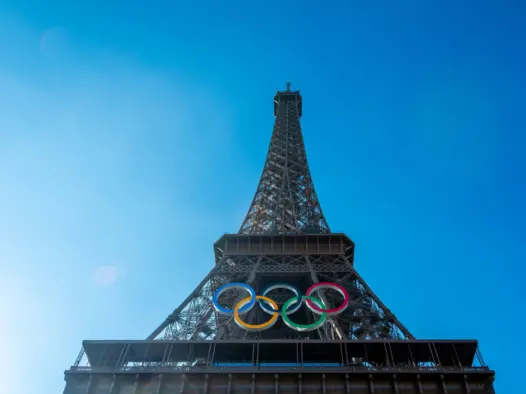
<point>279,356</point>
<point>212,369</point>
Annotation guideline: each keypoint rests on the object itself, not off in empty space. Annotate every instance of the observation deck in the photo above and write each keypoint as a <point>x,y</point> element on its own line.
<point>279,366</point>
<point>288,95</point>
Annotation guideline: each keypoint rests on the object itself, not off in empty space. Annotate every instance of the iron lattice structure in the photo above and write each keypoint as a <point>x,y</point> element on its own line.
<point>284,238</point>
<point>285,209</point>
<point>285,200</point>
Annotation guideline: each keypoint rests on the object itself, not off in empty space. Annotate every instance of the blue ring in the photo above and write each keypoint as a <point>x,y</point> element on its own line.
<point>292,308</point>
<point>222,289</point>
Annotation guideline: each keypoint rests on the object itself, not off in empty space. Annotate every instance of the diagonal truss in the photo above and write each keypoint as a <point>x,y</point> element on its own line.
<point>285,199</point>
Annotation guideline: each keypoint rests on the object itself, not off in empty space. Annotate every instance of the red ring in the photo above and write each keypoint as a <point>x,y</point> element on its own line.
<point>333,311</point>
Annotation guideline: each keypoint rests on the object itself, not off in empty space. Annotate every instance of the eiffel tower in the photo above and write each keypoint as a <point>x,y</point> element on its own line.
<point>283,310</point>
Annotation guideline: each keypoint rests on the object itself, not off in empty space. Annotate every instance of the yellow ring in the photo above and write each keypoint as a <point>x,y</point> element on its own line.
<point>261,326</point>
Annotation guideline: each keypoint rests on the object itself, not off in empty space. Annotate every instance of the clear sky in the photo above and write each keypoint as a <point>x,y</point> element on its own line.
<point>133,134</point>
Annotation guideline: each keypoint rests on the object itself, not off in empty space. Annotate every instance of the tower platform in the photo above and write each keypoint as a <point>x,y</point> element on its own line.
<point>279,366</point>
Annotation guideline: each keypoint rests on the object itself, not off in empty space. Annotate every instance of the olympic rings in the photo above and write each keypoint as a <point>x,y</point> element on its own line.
<point>256,327</point>
<point>304,327</point>
<point>269,306</point>
<point>328,285</point>
<point>234,285</point>
<point>268,289</point>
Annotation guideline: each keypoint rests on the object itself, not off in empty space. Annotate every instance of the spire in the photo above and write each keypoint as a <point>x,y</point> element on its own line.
<point>285,200</point>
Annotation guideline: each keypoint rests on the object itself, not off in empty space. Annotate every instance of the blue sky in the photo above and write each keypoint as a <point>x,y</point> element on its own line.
<point>132,136</point>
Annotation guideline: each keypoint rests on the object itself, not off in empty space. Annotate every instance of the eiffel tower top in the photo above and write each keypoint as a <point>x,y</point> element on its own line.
<point>285,201</point>
<point>288,94</point>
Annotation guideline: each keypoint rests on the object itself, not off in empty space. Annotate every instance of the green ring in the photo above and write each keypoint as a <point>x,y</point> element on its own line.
<point>303,327</point>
